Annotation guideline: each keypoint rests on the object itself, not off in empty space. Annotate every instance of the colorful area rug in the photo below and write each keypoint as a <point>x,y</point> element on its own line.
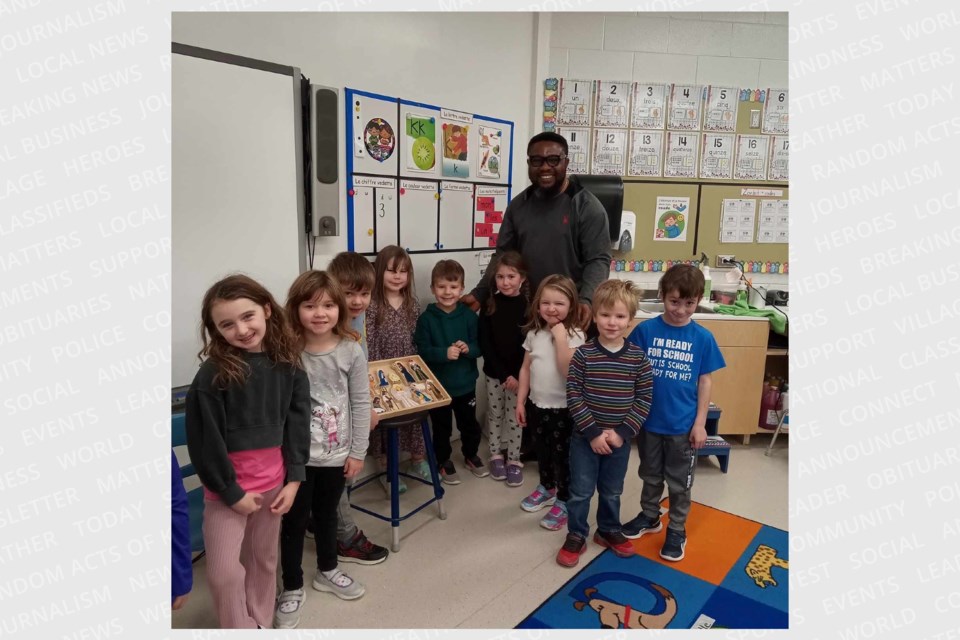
<point>734,575</point>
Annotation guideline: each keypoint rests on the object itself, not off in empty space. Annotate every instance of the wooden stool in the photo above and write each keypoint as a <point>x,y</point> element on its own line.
<point>393,474</point>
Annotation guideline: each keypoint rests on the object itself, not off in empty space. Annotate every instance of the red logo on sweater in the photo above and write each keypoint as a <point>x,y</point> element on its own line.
<point>566,219</point>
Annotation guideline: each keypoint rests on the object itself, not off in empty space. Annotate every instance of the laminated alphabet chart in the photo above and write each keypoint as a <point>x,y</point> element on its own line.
<point>646,153</point>
<point>490,203</point>
<point>413,171</point>
<point>685,106</point>
<point>578,149</point>
<point>609,152</point>
<point>648,106</point>
<point>681,159</point>
<point>716,157</point>
<point>612,104</point>
<point>779,158</point>
<point>751,158</point>
<point>574,102</point>
<point>737,220</point>
<point>721,111</point>
<point>776,112</point>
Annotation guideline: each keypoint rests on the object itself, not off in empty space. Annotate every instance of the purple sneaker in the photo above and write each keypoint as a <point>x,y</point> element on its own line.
<point>497,471</point>
<point>514,475</point>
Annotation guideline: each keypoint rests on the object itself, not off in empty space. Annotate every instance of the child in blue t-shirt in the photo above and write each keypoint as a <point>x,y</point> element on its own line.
<point>683,355</point>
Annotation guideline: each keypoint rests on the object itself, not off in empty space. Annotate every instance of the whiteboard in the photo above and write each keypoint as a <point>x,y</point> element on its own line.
<point>237,187</point>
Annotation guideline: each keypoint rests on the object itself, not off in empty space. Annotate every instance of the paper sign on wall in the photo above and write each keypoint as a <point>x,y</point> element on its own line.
<point>489,152</point>
<point>421,132</point>
<point>610,107</point>
<point>456,150</point>
<point>681,155</point>
<point>649,106</point>
<point>574,102</point>
<point>609,151</point>
<point>646,153</point>
<point>671,220</point>
<point>717,156</point>
<point>776,112</point>
<point>721,111</point>
<point>578,149</point>
<point>737,220</point>
<point>685,103</point>
<point>779,158</point>
<point>751,158</point>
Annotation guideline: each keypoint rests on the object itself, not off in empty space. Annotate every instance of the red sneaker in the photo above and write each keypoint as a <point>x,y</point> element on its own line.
<point>572,549</point>
<point>616,542</point>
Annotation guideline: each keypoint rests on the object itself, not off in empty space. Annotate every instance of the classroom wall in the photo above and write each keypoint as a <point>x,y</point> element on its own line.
<point>746,49</point>
<point>485,64</point>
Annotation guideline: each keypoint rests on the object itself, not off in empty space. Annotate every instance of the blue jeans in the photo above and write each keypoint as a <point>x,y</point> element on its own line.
<point>589,472</point>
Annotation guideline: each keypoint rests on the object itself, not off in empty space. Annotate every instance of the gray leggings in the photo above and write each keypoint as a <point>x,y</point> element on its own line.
<point>346,525</point>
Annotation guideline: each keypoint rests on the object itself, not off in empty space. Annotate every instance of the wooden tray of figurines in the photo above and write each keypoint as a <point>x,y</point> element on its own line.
<point>401,386</point>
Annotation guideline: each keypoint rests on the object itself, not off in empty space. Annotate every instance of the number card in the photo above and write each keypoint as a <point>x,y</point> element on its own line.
<point>721,111</point>
<point>685,106</point>
<point>610,107</point>
<point>751,158</point>
<point>574,102</point>
<point>649,102</point>
<point>779,158</point>
<point>681,159</point>
<point>646,153</point>
<point>776,112</point>
<point>578,149</point>
<point>716,157</point>
<point>609,152</point>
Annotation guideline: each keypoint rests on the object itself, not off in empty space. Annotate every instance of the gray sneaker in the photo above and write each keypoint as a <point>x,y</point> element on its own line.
<point>289,603</point>
<point>340,585</point>
<point>448,473</point>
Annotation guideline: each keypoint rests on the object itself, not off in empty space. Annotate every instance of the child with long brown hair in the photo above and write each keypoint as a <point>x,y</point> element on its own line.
<point>339,430</point>
<point>391,322</point>
<point>552,337</point>
<point>248,434</point>
<point>501,344</point>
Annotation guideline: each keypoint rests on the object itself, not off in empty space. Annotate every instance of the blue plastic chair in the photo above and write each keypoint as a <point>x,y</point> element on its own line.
<point>178,433</point>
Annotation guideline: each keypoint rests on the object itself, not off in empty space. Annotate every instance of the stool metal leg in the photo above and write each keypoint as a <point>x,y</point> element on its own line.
<point>775,434</point>
<point>393,473</point>
<point>438,490</point>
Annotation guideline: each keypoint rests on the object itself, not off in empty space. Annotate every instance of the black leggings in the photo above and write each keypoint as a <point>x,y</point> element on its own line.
<point>553,429</point>
<point>319,493</point>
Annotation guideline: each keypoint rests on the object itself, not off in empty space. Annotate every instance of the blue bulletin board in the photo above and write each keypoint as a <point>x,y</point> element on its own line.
<point>430,179</point>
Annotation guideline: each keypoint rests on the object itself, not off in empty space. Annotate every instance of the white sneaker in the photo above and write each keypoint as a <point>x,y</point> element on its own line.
<point>340,585</point>
<point>289,603</point>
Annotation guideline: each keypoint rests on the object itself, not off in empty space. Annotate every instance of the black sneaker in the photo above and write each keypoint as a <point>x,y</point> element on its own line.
<point>448,473</point>
<point>573,547</point>
<point>361,551</point>
<point>673,548</point>
<point>641,525</point>
<point>476,466</point>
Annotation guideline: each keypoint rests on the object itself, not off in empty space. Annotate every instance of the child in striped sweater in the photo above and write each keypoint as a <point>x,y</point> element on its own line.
<point>609,388</point>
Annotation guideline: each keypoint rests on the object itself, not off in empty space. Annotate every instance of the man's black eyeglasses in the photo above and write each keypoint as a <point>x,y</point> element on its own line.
<point>537,161</point>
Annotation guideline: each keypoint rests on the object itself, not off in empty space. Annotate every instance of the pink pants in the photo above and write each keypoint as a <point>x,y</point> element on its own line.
<point>242,562</point>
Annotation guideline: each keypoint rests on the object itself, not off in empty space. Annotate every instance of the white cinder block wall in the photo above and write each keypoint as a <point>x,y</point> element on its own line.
<point>743,49</point>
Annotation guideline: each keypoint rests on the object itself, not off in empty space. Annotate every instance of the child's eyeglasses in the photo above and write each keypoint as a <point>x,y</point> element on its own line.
<point>537,161</point>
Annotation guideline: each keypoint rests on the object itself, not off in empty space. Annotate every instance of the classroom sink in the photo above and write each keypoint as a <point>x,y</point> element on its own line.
<point>657,307</point>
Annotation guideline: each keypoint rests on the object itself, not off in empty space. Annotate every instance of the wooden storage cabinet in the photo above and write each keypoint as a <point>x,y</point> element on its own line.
<point>737,387</point>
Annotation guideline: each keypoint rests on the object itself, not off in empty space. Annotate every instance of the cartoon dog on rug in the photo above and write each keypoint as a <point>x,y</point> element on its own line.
<point>761,564</point>
<point>614,615</point>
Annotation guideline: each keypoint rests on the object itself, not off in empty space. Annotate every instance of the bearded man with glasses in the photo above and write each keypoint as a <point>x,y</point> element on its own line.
<point>556,225</point>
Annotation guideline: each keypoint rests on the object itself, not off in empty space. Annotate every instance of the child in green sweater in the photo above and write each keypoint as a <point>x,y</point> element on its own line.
<point>446,338</point>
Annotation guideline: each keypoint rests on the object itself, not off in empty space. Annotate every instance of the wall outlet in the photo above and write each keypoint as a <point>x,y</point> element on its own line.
<point>726,261</point>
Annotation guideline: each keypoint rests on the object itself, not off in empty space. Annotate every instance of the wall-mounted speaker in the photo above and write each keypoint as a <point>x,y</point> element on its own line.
<point>325,190</point>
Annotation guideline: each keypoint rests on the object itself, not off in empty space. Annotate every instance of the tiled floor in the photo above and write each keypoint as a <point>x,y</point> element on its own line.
<point>489,564</point>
